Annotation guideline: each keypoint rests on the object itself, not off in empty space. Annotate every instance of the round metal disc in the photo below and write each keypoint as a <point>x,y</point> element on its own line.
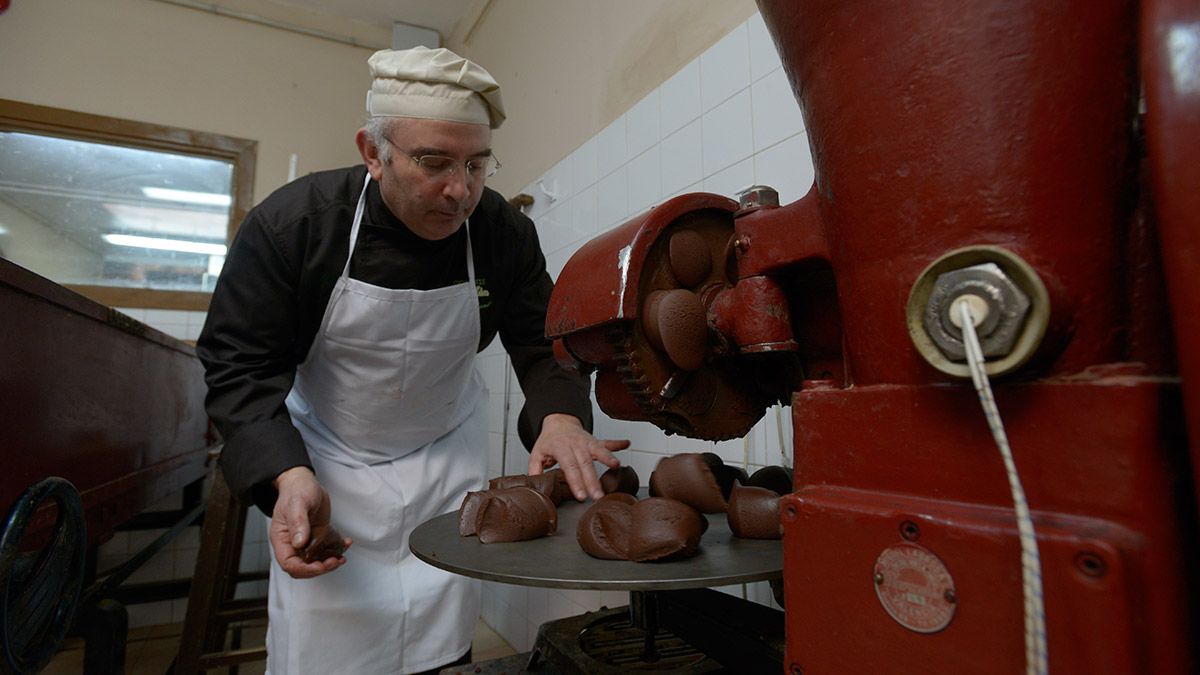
<point>558,562</point>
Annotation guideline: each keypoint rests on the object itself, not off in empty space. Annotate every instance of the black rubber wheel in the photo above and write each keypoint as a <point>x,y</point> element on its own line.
<point>39,590</point>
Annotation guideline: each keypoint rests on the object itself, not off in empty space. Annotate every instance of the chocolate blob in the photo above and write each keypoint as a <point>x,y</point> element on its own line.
<point>725,474</point>
<point>774,478</point>
<point>754,513</point>
<point>468,513</point>
<point>688,478</point>
<point>324,542</point>
<point>553,484</point>
<point>691,261</point>
<point>621,479</point>
<point>515,514</point>
<point>603,530</point>
<point>663,529</point>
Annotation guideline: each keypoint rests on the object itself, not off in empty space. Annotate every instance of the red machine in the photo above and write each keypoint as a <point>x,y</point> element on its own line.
<point>991,149</point>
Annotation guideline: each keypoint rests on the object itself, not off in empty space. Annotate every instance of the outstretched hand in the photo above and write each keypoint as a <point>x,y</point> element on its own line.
<point>303,506</point>
<point>565,442</point>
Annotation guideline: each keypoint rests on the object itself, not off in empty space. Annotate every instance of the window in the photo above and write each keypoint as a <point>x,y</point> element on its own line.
<point>126,213</point>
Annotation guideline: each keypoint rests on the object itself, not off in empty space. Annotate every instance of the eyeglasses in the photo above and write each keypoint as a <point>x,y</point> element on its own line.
<point>437,166</point>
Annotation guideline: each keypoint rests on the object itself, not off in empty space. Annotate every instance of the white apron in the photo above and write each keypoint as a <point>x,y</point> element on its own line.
<point>392,411</point>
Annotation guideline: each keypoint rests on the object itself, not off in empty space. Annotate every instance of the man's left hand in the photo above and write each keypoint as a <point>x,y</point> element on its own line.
<point>565,442</point>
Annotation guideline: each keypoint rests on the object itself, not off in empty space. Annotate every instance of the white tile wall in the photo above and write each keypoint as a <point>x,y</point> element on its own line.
<point>725,68</point>
<point>725,121</point>
<point>680,99</point>
<point>726,133</point>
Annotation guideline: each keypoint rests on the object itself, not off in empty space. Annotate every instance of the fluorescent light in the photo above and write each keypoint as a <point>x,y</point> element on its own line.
<point>206,198</point>
<point>165,244</point>
<point>3,229</point>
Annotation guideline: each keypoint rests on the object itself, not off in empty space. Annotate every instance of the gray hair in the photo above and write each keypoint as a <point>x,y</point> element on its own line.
<point>378,129</point>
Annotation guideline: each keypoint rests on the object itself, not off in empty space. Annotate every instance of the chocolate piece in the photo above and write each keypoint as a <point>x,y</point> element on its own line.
<point>690,258</point>
<point>664,528</point>
<point>324,542</point>
<point>754,513</point>
<point>686,477</point>
<point>516,514</point>
<point>621,479</point>
<point>468,513</point>
<point>774,478</point>
<point>553,484</point>
<point>505,482</point>
<point>603,530</point>
<point>561,491</point>
<point>725,474</point>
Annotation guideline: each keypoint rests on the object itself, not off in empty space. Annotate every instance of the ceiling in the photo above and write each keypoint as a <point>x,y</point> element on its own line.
<point>440,15</point>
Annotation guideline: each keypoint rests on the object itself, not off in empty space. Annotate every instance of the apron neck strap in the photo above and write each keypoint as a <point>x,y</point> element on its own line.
<point>358,214</point>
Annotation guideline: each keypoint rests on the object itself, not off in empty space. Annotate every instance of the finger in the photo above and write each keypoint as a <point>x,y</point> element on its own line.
<point>298,569</point>
<point>575,479</point>
<point>283,549</point>
<point>615,445</point>
<point>297,522</point>
<point>587,472</point>
<point>602,454</point>
<point>534,467</point>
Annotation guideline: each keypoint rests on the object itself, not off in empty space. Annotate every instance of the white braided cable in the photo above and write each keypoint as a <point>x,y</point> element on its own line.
<point>1036,661</point>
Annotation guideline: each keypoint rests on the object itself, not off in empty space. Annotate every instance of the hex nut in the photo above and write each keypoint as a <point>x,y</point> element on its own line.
<point>757,196</point>
<point>1008,307</point>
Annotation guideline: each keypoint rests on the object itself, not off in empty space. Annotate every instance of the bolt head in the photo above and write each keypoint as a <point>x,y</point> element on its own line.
<point>1007,308</point>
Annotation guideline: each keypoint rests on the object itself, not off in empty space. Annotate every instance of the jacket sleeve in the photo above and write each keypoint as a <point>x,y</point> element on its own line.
<point>248,351</point>
<point>548,388</point>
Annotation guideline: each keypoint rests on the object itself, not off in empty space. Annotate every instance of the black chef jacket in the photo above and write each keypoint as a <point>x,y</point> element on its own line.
<point>278,276</point>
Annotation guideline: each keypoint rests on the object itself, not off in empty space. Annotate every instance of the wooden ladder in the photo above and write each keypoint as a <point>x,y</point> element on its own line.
<point>212,610</point>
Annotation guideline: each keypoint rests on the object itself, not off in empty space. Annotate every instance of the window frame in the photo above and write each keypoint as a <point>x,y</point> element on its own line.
<point>17,116</point>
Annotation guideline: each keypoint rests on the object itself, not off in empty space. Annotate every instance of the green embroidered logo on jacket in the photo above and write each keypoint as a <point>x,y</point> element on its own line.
<point>485,299</point>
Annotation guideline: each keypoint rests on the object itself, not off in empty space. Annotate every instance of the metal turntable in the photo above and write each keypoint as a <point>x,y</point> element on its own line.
<point>673,622</point>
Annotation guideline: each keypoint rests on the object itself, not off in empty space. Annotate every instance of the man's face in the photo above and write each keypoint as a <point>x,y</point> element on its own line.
<point>432,204</point>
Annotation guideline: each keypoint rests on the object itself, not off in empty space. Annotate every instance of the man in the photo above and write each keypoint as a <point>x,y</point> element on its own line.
<point>339,354</point>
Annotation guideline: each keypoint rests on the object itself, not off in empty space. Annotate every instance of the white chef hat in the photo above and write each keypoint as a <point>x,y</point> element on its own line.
<point>432,84</point>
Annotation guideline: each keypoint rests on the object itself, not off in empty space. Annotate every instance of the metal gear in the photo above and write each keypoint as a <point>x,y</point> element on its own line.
<point>688,385</point>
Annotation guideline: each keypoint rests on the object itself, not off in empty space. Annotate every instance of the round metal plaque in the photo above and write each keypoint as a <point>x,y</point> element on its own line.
<point>915,588</point>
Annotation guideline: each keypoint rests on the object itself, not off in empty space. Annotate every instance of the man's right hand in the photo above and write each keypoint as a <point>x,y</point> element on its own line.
<point>302,505</point>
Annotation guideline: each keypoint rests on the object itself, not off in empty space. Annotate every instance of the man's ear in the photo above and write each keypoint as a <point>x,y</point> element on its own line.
<point>369,152</point>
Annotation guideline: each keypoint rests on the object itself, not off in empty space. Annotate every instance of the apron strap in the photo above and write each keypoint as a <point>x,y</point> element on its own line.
<point>358,213</point>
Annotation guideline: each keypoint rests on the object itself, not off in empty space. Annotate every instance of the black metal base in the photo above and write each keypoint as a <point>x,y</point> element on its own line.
<point>692,631</point>
<point>607,642</point>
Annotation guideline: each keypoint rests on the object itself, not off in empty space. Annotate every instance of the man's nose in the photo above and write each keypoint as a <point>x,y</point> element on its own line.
<point>455,185</point>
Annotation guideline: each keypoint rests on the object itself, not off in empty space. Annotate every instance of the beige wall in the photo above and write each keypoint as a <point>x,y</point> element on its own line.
<point>154,62</point>
<point>568,68</point>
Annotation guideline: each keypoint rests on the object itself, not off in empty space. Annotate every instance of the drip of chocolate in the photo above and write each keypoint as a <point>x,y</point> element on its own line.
<point>754,513</point>
<point>621,479</point>
<point>688,478</point>
<point>662,529</point>
<point>603,530</point>
<point>324,542</point>
<point>774,478</point>
<point>515,514</point>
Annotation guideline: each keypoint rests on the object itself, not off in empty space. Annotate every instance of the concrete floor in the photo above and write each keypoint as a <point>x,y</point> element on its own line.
<point>150,650</point>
